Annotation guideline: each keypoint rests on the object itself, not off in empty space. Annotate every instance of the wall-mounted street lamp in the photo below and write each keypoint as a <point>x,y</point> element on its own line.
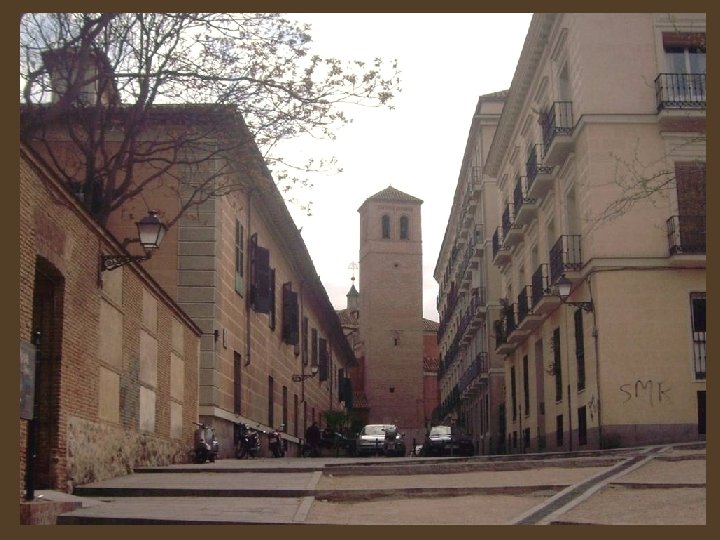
<point>564,286</point>
<point>150,233</point>
<point>313,372</point>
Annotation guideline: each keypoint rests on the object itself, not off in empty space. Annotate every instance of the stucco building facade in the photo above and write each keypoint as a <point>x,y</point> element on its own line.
<point>471,373</point>
<point>621,361</point>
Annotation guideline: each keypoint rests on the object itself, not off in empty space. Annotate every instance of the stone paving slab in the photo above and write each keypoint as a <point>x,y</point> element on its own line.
<point>461,510</point>
<point>538,476</point>
<point>190,510</point>
<point>617,505</point>
<point>219,484</point>
<point>668,472</point>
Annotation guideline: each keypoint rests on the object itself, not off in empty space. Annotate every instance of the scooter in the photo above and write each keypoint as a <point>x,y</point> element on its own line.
<point>248,442</point>
<point>206,445</point>
<point>275,442</point>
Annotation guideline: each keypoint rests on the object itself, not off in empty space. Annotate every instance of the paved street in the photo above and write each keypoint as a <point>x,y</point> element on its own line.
<point>655,485</point>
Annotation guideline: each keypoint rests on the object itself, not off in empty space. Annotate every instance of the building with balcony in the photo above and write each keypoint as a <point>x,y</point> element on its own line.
<point>599,158</point>
<point>471,370</point>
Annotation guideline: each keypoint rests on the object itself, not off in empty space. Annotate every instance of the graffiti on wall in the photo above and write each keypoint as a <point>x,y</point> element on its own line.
<point>654,392</point>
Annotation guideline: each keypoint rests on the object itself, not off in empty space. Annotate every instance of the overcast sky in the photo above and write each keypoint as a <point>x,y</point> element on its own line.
<point>446,60</point>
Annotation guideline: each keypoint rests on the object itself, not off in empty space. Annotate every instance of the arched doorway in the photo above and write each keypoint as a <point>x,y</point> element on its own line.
<point>47,337</point>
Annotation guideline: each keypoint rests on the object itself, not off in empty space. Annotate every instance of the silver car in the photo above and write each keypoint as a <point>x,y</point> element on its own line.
<point>382,439</point>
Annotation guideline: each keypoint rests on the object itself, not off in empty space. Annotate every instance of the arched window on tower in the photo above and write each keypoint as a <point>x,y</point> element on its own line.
<point>386,226</point>
<point>404,228</point>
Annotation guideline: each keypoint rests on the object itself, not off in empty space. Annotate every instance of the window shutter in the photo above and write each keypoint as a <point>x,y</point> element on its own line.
<point>261,287</point>
<point>323,367</point>
<point>290,315</point>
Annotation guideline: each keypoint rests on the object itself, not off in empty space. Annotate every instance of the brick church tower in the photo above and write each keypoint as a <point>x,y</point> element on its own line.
<point>391,321</point>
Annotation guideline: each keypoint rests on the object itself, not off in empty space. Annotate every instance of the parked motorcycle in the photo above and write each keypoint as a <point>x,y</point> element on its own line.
<point>206,446</point>
<point>247,443</point>
<point>276,443</point>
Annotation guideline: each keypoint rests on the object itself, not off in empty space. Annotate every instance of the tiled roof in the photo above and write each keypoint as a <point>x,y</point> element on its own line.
<point>347,317</point>
<point>431,364</point>
<point>392,194</point>
<point>430,326</point>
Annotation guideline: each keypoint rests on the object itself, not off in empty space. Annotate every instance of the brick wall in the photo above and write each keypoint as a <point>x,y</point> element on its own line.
<point>98,370</point>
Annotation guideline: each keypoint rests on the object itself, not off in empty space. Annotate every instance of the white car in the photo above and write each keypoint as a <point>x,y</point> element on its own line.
<point>382,439</point>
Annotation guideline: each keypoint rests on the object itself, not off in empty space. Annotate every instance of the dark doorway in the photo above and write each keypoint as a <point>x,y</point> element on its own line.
<point>701,412</point>
<point>47,330</point>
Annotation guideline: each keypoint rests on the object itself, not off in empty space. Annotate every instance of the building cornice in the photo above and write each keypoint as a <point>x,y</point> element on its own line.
<point>535,44</point>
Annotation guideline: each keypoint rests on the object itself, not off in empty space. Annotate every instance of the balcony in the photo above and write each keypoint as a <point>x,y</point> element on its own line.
<point>501,253</point>
<point>539,175</point>
<point>543,299</point>
<point>525,206</point>
<point>557,128</point>
<point>528,320</point>
<point>516,332</point>
<point>680,91</point>
<point>686,238</point>
<point>565,257</point>
<point>504,326</point>
<point>512,232</point>
<point>471,381</point>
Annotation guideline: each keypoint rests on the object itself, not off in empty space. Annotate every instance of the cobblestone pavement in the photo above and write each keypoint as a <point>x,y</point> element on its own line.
<point>660,485</point>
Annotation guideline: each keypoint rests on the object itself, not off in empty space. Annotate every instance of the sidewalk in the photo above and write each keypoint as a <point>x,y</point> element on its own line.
<point>308,491</point>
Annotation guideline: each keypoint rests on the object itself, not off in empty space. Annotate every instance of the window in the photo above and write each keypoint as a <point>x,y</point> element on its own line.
<point>271,318</point>
<point>684,52</point>
<point>404,228</point>
<point>290,315</point>
<point>304,341</point>
<point>284,407</point>
<point>580,349</point>
<point>556,365</point>
<point>324,360</point>
<point>686,67</point>
<point>559,430</point>
<point>386,226</point>
<point>239,258</point>
<point>582,426</point>
<point>271,401</point>
<point>697,314</point>
<point>296,413</point>
<point>701,397</point>
<point>237,386</point>
<point>314,347</point>
<point>526,385</point>
<point>513,397</point>
<point>260,275</point>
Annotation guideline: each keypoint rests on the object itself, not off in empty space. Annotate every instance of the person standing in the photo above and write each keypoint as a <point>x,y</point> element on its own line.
<point>312,435</point>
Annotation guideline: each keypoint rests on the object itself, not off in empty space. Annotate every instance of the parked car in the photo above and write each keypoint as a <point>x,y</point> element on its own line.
<point>447,441</point>
<point>383,439</point>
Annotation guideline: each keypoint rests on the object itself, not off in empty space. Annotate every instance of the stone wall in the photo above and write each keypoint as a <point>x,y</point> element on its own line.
<point>121,451</point>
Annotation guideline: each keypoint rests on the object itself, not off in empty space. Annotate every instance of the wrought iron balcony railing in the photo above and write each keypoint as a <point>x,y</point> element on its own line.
<point>680,91</point>
<point>565,255</point>
<point>540,283</point>
<point>533,166</point>
<point>520,194</point>
<point>558,120</point>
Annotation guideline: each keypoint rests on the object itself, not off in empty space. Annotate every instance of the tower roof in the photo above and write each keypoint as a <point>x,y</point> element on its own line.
<point>392,194</point>
<point>353,291</point>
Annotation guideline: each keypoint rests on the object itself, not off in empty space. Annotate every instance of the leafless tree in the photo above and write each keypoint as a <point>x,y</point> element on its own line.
<point>95,87</point>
